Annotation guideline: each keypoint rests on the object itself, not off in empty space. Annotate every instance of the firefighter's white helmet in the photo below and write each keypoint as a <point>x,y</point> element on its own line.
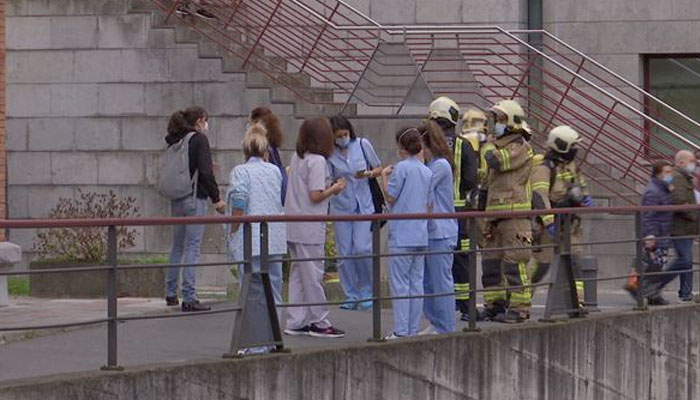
<point>513,111</point>
<point>562,138</point>
<point>444,107</point>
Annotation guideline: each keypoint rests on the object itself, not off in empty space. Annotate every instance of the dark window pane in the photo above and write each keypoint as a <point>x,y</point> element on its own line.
<point>676,81</point>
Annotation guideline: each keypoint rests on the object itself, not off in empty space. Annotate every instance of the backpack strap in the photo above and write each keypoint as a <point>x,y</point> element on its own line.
<point>195,176</point>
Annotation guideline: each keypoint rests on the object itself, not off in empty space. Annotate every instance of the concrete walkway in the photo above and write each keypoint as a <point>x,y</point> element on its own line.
<point>166,340</point>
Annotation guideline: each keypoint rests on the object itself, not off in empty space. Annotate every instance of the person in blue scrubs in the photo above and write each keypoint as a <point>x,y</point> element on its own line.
<point>406,186</point>
<point>442,233</point>
<point>354,160</point>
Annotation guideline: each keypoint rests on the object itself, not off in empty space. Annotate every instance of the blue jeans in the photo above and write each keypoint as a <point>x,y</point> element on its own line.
<point>683,261</point>
<point>275,272</point>
<point>186,242</point>
<point>406,279</point>
<point>353,239</point>
<point>440,311</point>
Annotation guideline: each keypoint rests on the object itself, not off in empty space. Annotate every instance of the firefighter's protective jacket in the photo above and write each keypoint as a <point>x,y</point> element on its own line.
<point>509,159</point>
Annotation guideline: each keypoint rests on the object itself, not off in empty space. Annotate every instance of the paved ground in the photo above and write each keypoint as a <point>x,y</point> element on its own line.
<point>165,340</point>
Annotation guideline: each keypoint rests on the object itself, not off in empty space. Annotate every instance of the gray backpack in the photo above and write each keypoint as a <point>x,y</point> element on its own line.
<point>175,182</point>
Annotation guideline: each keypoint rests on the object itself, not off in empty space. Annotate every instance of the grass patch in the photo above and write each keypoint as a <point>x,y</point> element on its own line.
<point>18,285</point>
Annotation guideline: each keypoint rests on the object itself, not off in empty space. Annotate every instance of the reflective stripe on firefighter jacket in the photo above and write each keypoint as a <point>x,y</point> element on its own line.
<point>510,162</point>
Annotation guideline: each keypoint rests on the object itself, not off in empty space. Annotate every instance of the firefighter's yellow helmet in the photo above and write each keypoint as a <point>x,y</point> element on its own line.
<point>444,107</point>
<point>473,120</point>
<point>512,110</point>
<point>562,138</point>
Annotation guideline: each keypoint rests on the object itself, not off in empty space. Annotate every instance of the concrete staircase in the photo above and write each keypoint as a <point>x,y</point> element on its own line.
<point>262,75</point>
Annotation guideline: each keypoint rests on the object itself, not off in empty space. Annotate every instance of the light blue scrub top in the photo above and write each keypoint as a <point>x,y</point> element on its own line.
<point>356,195</point>
<point>441,197</point>
<point>409,184</point>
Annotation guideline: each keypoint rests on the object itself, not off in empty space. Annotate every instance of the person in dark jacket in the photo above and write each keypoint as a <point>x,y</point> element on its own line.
<point>684,222</point>
<point>188,238</point>
<point>269,120</point>
<point>656,228</point>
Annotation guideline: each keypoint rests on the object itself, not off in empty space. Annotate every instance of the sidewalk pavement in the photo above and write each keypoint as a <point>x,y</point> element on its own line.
<point>32,311</point>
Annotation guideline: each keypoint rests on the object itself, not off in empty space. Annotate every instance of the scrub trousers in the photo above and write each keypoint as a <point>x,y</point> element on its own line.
<point>306,286</point>
<point>353,238</point>
<point>439,311</point>
<point>406,279</point>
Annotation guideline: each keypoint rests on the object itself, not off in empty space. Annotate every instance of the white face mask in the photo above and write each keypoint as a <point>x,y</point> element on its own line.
<point>499,129</point>
<point>206,126</point>
<point>690,168</point>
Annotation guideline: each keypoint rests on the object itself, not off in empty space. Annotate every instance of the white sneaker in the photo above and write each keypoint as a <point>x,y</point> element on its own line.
<point>429,330</point>
<point>393,336</point>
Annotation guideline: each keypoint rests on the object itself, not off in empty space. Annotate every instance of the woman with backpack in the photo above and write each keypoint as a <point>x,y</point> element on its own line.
<point>190,125</point>
<point>354,160</point>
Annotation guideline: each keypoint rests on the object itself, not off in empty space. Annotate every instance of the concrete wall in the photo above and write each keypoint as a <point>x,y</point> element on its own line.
<point>90,88</point>
<point>649,355</point>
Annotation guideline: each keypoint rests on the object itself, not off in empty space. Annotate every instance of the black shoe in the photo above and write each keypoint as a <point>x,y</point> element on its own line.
<point>329,332</point>
<point>480,316</point>
<point>171,301</point>
<point>686,298</point>
<point>202,13</point>
<point>195,306</point>
<point>657,301</point>
<point>303,331</point>
<point>510,317</point>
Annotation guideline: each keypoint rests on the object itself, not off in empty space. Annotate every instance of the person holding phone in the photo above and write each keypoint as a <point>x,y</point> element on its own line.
<point>355,161</point>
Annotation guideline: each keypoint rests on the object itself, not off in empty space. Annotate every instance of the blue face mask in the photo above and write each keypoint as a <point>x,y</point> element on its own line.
<point>668,179</point>
<point>343,143</point>
<point>499,129</point>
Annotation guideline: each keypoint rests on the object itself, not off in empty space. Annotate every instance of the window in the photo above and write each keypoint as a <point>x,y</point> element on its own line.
<point>674,79</point>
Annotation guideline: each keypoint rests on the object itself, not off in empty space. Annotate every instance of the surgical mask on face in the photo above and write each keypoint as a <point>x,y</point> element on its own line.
<point>343,143</point>
<point>690,168</point>
<point>206,126</point>
<point>499,129</point>
<point>668,179</point>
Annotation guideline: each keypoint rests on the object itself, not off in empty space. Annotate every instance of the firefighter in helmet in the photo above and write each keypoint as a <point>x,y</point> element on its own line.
<point>509,158</point>
<point>557,183</point>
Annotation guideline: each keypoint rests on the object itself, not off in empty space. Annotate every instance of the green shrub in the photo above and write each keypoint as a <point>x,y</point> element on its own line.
<point>86,244</point>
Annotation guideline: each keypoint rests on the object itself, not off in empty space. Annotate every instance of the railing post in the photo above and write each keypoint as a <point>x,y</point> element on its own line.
<point>273,14</point>
<point>376,281</point>
<point>112,301</point>
<point>473,232</point>
<point>266,283</point>
<point>243,294</point>
<point>639,257</point>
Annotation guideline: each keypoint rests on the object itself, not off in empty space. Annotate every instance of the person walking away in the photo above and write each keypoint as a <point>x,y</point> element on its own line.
<point>508,155</point>
<point>557,182</point>
<point>275,138</point>
<point>254,189</point>
<point>442,233</point>
<point>308,193</point>
<point>355,161</point>
<point>684,223</point>
<point>191,124</point>
<point>445,112</point>
<point>406,187</point>
<point>656,228</point>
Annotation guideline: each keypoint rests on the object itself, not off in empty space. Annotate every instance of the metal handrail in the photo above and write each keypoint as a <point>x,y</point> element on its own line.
<point>111,223</point>
<point>163,221</point>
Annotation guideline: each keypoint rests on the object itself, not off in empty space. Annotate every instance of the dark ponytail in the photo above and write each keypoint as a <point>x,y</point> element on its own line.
<point>182,122</point>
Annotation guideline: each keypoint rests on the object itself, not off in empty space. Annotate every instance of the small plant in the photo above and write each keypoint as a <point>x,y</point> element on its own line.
<point>18,285</point>
<point>88,244</point>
